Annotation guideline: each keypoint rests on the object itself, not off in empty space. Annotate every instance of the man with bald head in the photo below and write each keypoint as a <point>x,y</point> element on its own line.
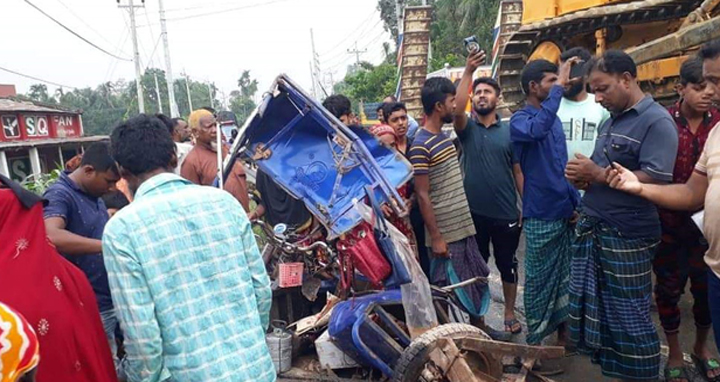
<point>200,165</point>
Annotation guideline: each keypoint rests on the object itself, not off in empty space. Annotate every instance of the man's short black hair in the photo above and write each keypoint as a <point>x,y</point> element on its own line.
<point>577,51</point>
<point>115,200</point>
<point>338,105</point>
<point>691,71</point>
<point>710,50</point>
<point>487,81</point>
<point>142,144</point>
<point>98,156</point>
<point>166,121</point>
<point>613,62</point>
<point>391,107</point>
<point>208,108</point>
<point>435,90</point>
<point>176,121</point>
<point>535,71</point>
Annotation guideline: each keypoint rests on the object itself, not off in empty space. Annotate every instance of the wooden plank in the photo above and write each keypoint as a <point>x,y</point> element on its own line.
<point>448,358</point>
<point>511,349</point>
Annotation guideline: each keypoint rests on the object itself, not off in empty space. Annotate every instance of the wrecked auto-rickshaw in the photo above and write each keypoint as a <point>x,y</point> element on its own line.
<point>340,310</point>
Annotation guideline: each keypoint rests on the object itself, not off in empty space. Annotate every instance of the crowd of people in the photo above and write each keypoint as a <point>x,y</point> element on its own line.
<point>161,278</point>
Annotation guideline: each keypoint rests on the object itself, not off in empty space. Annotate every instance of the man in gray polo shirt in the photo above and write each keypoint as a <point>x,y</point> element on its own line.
<point>491,177</point>
<point>611,267</point>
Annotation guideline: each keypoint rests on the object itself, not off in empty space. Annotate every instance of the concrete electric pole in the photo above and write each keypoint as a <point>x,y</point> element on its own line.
<point>136,54</point>
<point>174,113</point>
<point>157,92</point>
<point>357,53</point>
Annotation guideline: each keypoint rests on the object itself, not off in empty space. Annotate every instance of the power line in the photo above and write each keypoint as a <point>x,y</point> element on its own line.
<point>75,33</point>
<point>364,23</point>
<point>36,78</point>
<point>225,10</point>
<point>344,58</point>
<point>363,34</point>
<point>84,23</point>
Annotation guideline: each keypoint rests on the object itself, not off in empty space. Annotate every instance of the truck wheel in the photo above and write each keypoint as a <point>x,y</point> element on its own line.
<point>415,365</point>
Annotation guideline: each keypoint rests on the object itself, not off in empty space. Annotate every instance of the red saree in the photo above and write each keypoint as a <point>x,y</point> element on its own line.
<point>53,295</point>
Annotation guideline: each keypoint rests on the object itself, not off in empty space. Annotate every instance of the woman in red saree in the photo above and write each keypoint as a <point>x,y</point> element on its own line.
<point>51,293</point>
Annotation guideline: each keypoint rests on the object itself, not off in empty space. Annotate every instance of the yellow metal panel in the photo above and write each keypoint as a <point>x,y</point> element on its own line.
<point>567,6</point>
<point>547,51</point>
<point>536,10</point>
<point>660,69</point>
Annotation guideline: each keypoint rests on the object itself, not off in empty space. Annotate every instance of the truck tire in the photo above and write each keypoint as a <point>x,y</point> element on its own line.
<point>412,365</point>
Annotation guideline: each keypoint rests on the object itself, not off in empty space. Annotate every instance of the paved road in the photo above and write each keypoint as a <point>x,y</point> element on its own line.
<point>579,368</point>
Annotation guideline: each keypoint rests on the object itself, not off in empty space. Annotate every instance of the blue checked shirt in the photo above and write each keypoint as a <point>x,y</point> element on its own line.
<point>189,285</point>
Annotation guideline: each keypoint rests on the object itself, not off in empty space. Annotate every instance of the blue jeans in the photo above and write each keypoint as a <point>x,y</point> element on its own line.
<point>110,324</point>
<point>714,300</point>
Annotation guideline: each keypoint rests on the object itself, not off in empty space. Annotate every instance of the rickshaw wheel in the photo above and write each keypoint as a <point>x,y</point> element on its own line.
<point>415,363</point>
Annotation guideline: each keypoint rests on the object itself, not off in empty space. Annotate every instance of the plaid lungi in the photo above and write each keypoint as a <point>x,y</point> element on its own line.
<point>610,292</point>
<point>547,271</point>
<point>464,262</point>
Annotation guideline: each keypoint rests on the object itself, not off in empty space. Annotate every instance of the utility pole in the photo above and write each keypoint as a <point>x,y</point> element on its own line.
<point>357,53</point>
<point>187,88</point>
<point>157,91</point>
<point>174,113</point>
<point>312,78</point>
<point>210,91</point>
<point>399,16</point>
<point>136,53</point>
<point>315,65</point>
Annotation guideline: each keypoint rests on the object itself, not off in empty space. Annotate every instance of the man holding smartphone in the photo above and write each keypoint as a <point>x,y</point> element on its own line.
<point>618,233</point>
<point>491,177</point>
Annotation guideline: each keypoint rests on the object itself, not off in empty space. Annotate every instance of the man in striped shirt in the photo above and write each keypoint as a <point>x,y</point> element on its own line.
<point>188,281</point>
<point>450,233</point>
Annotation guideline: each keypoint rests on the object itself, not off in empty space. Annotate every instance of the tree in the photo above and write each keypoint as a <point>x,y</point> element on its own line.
<point>241,100</point>
<point>39,93</point>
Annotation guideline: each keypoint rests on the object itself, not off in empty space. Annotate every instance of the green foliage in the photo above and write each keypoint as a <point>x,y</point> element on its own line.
<point>108,104</point>
<point>369,83</point>
<point>453,20</point>
<point>241,101</point>
<point>39,184</point>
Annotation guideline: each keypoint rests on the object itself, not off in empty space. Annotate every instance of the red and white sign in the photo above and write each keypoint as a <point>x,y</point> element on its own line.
<point>21,126</point>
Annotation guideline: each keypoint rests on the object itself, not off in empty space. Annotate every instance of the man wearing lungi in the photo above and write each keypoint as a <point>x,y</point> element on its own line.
<point>450,233</point>
<point>549,201</point>
<point>618,233</point>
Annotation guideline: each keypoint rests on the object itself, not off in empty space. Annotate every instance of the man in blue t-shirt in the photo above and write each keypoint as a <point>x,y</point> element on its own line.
<point>75,218</point>
<point>492,178</point>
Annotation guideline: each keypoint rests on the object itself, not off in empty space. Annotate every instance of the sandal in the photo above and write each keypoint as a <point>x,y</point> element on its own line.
<point>705,365</point>
<point>676,373</point>
<point>510,324</point>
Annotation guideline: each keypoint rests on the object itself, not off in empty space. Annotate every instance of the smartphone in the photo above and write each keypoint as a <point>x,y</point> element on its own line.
<point>578,70</point>
<point>471,44</point>
<point>607,156</point>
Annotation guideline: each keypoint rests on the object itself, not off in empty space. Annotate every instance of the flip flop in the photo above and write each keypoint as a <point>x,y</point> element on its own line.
<point>675,373</point>
<point>705,365</point>
<point>509,324</point>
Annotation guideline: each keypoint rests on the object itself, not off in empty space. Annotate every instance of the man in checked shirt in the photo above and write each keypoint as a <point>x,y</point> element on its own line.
<point>188,281</point>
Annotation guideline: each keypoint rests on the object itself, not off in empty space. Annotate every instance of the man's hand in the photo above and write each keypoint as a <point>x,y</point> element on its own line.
<point>474,61</point>
<point>579,184</point>
<point>583,169</point>
<point>575,217</point>
<point>564,79</point>
<point>439,247</point>
<point>386,210</point>
<point>623,179</point>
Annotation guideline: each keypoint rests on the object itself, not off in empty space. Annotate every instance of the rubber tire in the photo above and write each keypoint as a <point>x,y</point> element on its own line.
<point>412,360</point>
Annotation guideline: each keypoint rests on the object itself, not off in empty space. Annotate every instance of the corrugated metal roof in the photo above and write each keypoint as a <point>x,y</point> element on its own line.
<point>51,141</point>
<point>17,105</point>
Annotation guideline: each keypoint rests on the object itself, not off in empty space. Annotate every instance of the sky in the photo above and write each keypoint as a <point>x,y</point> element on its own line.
<point>210,40</point>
